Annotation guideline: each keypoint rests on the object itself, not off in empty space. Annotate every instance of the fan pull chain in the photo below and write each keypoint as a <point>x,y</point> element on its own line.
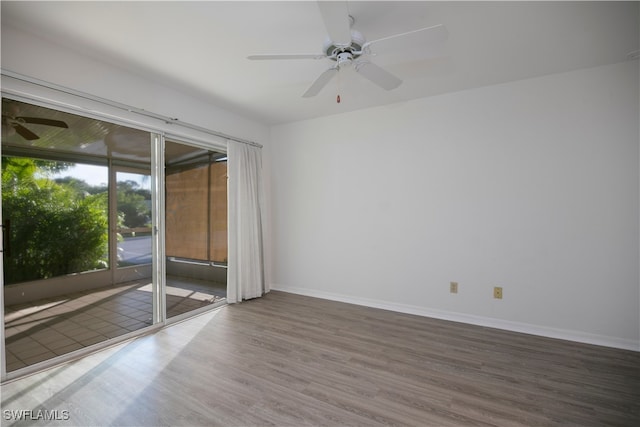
<point>338,83</point>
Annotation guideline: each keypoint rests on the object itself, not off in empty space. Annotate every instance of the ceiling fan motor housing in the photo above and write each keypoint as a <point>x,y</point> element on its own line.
<point>354,49</point>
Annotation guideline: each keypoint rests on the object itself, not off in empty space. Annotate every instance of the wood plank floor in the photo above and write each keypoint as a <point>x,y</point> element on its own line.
<point>289,360</point>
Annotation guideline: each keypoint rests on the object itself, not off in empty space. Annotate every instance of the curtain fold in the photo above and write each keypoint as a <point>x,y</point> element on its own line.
<point>245,269</point>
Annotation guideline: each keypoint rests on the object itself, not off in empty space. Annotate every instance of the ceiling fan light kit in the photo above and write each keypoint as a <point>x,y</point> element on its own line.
<point>347,47</point>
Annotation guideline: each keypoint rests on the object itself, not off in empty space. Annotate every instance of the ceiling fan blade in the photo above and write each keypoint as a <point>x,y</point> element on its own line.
<point>335,15</point>
<point>320,82</point>
<point>25,133</point>
<point>377,75</point>
<point>286,56</point>
<point>43,121</point>
<point>416,39</point>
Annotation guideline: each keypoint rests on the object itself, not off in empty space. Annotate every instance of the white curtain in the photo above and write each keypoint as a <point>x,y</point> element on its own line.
<point>245,273</point>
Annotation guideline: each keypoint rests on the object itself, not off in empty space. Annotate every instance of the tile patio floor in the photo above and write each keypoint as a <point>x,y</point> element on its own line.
<point>43,329</point>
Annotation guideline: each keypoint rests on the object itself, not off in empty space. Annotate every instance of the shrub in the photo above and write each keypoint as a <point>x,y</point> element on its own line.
<point>55,229</point>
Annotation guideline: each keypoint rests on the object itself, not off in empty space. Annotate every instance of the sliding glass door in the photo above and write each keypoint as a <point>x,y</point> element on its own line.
<point>196,227</point>
<point>77,232</point>
<point>107,230</point>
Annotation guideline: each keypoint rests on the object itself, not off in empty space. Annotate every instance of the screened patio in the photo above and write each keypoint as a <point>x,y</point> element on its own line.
<point>84,259</point>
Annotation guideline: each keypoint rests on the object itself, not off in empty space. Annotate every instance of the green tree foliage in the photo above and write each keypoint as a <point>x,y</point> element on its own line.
<point>132,204</point>
<point>56,228</point>
<point>81,186</point>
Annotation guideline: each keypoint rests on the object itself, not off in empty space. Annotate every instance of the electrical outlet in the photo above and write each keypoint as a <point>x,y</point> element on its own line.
<point>497,292</point>
<point>453,287</point>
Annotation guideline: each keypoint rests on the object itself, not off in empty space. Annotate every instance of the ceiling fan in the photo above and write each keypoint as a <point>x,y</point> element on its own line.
<point>18,122</point>
<point>347,47</point>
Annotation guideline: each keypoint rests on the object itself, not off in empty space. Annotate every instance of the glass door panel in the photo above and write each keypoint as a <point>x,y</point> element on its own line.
<point>195,227</point>
<point>62,200</point>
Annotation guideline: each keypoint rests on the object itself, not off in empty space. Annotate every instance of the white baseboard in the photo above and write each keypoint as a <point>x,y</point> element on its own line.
<point>526,328</point>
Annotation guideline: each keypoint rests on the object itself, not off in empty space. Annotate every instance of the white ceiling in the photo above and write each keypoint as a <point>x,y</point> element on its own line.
<point>201,47</point>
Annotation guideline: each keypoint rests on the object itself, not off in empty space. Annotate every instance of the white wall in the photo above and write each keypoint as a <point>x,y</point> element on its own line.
<point>39,58</point>
<point>531,185</point>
